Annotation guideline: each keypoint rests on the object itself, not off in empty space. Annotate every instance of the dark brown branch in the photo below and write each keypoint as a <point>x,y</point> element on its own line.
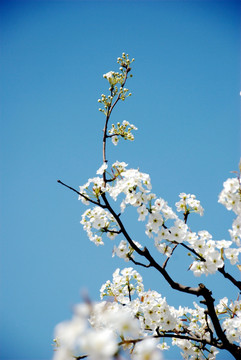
<point>82,195</point>
<point>129,290</point>
<point>112,135</point>
<point>230,277</point>
<point>208,327</point>
<point>209,302</point>
<point>171,335</point>
<point>185,215</point>
<point>167,259</point>
<point>111,231</point>
<point>221,270</point>
<point>193,251</point>
<point>180,335</point>
<point>138,263</point>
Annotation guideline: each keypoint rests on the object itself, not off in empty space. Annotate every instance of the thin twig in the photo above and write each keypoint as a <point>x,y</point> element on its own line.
<point>230,277</point>
<point>109,111</point>
<point>167,259</point>
<point>82,195</point>
<point>138,263</point>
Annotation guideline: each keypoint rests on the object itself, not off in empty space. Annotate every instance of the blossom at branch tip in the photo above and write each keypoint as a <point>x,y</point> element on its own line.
<point>123,130</point>
<point>124,250</point>
<point>112,77</point>
<point>102,169</point>
<point>115,140</point>
<point>189,203</point>
<point>230,196</point>
<point>97,221</point>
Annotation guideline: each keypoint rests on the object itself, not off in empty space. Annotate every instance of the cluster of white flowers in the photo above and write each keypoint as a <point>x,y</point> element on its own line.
<point>125,283</point>
<point>136,187</point>
<point>212,252</point>
<point>116,79</point>
<point>122,130</point>
<point>230,197</point>
<point>92,189</point>
<point>188,204</point>
<point>137,320</point>
<point>231,319</point>
<point>124,250</point>
<point>93,331</point>
<point>192,352</point>
<point>96,221</point>
<point>154,314</point>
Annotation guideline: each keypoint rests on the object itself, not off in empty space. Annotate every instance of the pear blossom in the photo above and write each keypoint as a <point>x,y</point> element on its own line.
<point>111,77</point>
<point>102,169</point>
<point>142,210</point>
<point>232,255</point>
<point>99,344</point>
<point>115,140</point>
<point>189,203</point>
<point>147,350</point>
<point>122,251</point>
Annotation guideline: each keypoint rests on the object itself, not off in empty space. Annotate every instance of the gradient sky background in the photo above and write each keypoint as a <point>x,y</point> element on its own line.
<point>185,103</point>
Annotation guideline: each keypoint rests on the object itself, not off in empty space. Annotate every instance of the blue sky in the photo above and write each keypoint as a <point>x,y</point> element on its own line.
<point>185,103</point>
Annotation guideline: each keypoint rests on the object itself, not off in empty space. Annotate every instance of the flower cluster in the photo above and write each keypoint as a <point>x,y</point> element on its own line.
<point>116,81</point>
<point>188,204</point>
<point>97,221</point>
<point>122,130</point>
<point>114,78</point>
<point>231,315</point>
<point>94,331</point>
<point>137,321</point>
<point>135,186</point>
<point>125,284</point>
<point>124,250</point>
<point>152,310</point>
<point>230,197</point>
<point>93,189</point>
<point>208,254</point>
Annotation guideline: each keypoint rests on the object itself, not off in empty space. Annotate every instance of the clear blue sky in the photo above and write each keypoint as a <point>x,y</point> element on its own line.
<point>185,103</point>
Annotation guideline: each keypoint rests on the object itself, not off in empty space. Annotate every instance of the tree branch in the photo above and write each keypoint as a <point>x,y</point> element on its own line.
<point>82,195</point>
<point>230,277</point>
<point>138,263</point>
<point>209,302</point>
<point>168,258</point>
<point>109,111</point>
<point>187,337</point>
